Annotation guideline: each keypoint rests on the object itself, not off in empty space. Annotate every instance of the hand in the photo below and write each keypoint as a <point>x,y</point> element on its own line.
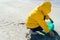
<point>51,34</point>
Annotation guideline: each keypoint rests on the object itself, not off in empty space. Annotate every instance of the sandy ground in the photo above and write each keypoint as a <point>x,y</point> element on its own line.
<point>12,31</point>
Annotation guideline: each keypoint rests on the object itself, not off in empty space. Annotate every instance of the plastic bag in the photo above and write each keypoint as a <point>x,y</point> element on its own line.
<point>50,25</point>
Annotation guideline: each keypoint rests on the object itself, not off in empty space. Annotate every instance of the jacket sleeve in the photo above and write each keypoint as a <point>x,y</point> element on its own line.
<point>42,23</point>
<point>44,26</point>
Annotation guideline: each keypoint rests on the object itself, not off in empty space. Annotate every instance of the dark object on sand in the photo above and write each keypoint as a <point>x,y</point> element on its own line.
<point>44,37</point>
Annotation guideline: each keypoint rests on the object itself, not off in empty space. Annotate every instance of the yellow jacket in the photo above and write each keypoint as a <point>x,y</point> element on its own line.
<point>36,17</point>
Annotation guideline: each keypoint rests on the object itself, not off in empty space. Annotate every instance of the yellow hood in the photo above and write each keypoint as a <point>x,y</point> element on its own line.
<point>45,8</point>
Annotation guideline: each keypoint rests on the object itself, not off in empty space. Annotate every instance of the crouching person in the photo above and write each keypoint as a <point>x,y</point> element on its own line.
<point>36,20</point>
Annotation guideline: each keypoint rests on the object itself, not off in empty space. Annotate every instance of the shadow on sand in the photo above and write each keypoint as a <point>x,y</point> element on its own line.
<point>43,37</point>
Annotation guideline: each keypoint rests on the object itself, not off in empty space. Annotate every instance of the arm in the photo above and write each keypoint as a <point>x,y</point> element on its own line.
<point>44,26</point>
<point>42,23</point>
